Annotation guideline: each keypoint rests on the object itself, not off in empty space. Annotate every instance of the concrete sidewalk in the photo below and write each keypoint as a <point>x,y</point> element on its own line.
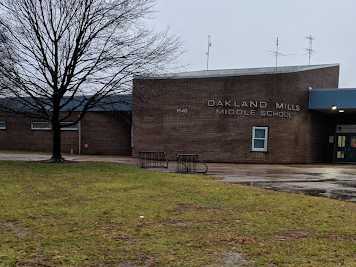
<point>24,156</point>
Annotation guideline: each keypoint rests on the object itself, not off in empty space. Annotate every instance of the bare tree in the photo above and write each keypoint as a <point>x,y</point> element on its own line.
<point>57,50</point>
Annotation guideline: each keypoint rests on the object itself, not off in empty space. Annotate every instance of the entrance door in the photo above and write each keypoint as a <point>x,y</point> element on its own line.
<point>346,148</point>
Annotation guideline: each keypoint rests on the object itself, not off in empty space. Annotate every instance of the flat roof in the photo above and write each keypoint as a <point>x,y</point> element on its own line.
<point>236,72</point>
<point>325,99</point>
<point>111,103</point>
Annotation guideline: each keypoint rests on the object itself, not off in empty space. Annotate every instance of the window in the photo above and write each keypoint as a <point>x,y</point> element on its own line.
<point>45,125</point>
<point>259,139</point>
<point>341,141</point>
<point>40,125</point>
<point>2,125</point>
<point>68,126</point>
<point>340,155</point>
<point>353,142</point>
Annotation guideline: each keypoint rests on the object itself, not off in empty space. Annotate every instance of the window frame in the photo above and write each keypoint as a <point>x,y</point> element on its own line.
<point>41,129</point>
<point>265,139</point>
<point>4,127</point>
<point>71,128</point>
<point>74,127</point>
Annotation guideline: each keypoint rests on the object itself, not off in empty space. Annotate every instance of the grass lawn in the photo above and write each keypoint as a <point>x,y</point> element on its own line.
<point>90,215</point>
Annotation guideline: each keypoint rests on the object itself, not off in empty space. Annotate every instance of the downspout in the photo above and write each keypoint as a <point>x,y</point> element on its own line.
<point>80,138</point>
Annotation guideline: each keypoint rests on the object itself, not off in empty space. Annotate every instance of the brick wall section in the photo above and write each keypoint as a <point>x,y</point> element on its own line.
<point>105,133</point>
<point>157,126</point>
<point>20,137</point>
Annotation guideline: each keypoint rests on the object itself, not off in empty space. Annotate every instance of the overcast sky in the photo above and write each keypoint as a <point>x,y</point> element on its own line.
<point>244,32</point>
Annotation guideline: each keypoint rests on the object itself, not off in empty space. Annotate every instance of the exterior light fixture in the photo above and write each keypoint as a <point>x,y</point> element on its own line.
<point>334,108</point>
<point>341,111</point>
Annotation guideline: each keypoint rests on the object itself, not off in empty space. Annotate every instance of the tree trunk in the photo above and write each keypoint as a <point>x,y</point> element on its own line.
<point>56,139</point>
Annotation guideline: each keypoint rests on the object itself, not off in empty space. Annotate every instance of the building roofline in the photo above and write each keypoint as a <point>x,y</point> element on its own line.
<point>220,73</point>
<point>119,103</point>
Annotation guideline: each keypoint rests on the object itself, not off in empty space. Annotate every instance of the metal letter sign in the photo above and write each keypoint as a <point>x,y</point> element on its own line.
<point>252,108</point>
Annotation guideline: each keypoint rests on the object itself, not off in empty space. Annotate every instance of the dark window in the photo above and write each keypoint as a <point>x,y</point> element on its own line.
<point>3,125</point>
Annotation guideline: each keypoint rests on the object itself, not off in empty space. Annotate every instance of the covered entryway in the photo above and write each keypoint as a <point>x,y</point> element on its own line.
<point>338,107</point>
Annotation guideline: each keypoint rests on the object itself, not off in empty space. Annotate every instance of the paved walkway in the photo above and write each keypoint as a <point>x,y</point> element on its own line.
<point>335,181</point>
<point>24,156</point>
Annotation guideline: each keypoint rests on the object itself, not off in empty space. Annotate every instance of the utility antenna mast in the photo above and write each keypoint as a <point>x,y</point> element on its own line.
<point>277,53</point>
<point>210,44</point>
<point>310,49</point>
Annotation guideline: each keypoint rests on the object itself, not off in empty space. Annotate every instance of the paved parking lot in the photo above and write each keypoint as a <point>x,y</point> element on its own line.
<point>335,181</point>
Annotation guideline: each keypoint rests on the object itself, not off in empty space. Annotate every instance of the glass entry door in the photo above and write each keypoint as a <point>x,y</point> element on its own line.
<point>346,148</point>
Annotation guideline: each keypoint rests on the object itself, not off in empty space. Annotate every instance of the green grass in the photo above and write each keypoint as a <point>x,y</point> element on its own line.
<point>89,215</point>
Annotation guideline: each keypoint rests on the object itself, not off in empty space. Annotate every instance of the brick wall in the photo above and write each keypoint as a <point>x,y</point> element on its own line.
<point>20,137</point>
<point>173,115</point>
<point>106,133</point>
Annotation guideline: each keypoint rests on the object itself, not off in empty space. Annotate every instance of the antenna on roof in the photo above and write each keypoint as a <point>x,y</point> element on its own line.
<point>310,50</point>
<point>210,44</point>
<point>276,53</point>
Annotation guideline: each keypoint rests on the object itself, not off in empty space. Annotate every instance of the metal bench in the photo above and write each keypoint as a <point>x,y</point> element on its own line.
<point>190,163</point>
<point>152,159</point>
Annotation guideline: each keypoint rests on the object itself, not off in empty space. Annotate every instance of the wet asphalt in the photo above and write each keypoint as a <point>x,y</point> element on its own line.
<point>333,181</point>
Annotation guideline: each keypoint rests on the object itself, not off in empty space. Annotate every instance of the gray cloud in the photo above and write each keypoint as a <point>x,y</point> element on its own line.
<point>244,31</point>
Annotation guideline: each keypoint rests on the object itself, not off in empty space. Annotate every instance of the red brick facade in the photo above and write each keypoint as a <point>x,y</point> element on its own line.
<point>209,116</point>
<point>101,133</point>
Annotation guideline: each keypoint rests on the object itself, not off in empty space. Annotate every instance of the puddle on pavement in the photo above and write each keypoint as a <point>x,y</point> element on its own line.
<point>347,183</point>
<point>334,193</point>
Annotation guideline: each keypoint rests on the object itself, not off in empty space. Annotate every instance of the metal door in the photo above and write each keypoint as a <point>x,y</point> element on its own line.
<point>346,148</point>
